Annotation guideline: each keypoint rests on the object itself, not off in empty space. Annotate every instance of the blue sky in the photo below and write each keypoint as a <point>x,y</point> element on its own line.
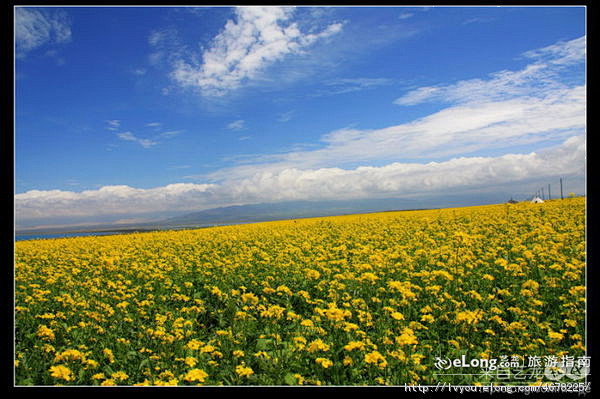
<point>130,113</point>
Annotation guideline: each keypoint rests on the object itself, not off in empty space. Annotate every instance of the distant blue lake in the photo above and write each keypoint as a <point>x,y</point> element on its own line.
<point>21,237</point>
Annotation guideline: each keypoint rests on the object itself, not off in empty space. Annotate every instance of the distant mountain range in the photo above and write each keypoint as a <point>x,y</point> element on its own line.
<point>286,210</point>
<point>244,214</point>
<point>272,211</point>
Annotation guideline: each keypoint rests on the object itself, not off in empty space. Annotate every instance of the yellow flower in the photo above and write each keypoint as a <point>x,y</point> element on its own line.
<point>195,375</point>
<point>555,335</point>
<point>208,349</point>
<point>69,354</point>
<point>354,345</point>
<point>299,379</point>
<point>274,311</point>
<point>238,353</point>
<point>119,375</point>
<point>190,361</point>
<point>45,333</point>
<point>318,345</point>
<point>371,277</point>
<point>407,337</point>
<point>262,354</point>
<point>397,316</point>
<point>250,298</point>
<point>468,317</point>
<point>313,274</point>
<point>61,372</point>
<point>570,323</point>
<point>375,358</point>
<point>243,371</point>
<point>325,363</point>
<point>109,355</point>
<point>194,344</point>
<point>335,314</point>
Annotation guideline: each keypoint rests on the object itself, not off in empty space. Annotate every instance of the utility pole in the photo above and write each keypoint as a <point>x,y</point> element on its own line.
<point>543,193</point>
<point>561,193</point>
<point>549,192</point>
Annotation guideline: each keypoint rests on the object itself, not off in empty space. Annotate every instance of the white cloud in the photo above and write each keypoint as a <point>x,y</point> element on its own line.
<point>539,79</point>
<point>561,53</point>
<point>340,86</point>
<point>286,116</point>
<point>35,27</point>
<point>254,40</point>
<point>108,200</point>
<point>453,131</point>
<point>530,106</point>
<point>478,20</point>
<point>236,125</point>
<point>405,15</point>
<point>398,179</point>
<point>113,124</point>
<point>171,133</point>
<point>166,47</point>
<point>128,136</point>
<point>392,180</point>
<point>154,124</point>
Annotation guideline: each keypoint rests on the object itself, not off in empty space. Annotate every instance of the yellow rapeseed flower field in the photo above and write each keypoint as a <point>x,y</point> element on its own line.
<point>350,300</point>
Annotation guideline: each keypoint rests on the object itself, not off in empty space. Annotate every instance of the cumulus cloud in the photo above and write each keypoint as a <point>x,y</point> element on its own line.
<point>412,178</point>
<point>256,38</point>
<point>35,27</point>
<point>392,180</point>
<point>108,200</point>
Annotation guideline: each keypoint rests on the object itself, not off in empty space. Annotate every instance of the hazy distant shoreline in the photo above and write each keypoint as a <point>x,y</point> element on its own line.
<point>21,235</point>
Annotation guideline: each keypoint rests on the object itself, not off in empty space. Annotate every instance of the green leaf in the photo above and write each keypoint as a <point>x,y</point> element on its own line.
<point>290,379</point>
<point>26,381</point>
<point>263,344</point>
<point>144,363</point>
